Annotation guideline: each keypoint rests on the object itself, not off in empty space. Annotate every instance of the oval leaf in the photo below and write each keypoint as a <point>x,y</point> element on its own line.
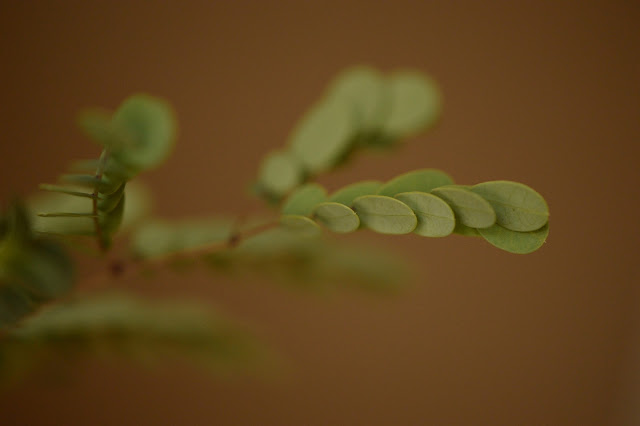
<point>304,199</point>
<point>349,193</point>
<point>151,130</point>
<point>336,217</point>
<point>324,136</point>
<point>424,180</point>
<point>435,217</point>
<point>280,173</point>
<point>514,241</point>
<point>365,90</point>
<point>415,103</point>
<point>385,214</point>
<point>470,208</point>
<point>517,206</point>
<point>300,225</point>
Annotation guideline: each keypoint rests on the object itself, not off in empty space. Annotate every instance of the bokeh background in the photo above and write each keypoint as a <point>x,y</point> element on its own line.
<point>546,93</point>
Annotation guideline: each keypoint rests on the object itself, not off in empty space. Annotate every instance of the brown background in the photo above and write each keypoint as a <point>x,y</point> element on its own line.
<point>541,92</point>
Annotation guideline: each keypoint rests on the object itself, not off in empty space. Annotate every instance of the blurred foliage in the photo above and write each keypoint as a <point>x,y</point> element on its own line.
<point>121,325</point>
<point>33,270</point>
<point>361,109</point>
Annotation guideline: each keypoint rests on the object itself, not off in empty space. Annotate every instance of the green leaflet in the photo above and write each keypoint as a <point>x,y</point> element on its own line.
<point>336,217</point>
<point>349,193</point>
<point>324,136</point>
<point>300,225</point>
<point>97,124</point>
<point>385,215</point>
<point>150,126</point>
<point>280,173</point>
<point>423,180</point>
<point>161,238</point>
<point>513,241</point>
<point>435,217</point>
<point>364,90</point>
<point>471,209</point>
<point>304,199</point>
<point>517,206</point>
<point>415,103</point>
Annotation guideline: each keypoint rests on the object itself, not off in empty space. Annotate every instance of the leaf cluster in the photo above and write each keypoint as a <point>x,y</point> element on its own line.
<point>362,108</point>
<point>118,324</point>
<point>509,215</point>
<point>138,136</point>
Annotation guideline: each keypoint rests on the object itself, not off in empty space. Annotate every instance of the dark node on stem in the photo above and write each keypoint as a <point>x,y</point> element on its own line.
<point>234,239</point>
<point>116,268</point>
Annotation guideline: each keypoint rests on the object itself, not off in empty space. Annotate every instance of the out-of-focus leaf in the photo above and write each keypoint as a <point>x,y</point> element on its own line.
<point>415,103</point>
<point>313,262</point>
<point>347,194</point>
<point>423,180</point>
<point>279,174</point>
<point>300,225</point>
<point>120,325</point>
<point>161,238</point>
<point>304,199</point>
<point>150,126</point>
<point>324,135</point>
<point>365,90</point>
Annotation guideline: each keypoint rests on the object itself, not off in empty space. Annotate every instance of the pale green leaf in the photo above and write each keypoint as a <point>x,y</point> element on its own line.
<point>423,180</point>
<point>517,206</point>
<point>120,325</point>
<point>415,103</point>
<point>109,202</point>
<point>435,217</point>
<point>349,193</point>
<point>304,199</point>
<point>280,173</point>
<point>104,184</point>
<point>471,209</point>
<point>150,126</point>
<point>514,241</point>
<point>364,89</point>
<point>300,225</point>
<point>99,126</point>
<point>336,217</point>
<point>161,238</point>
<point>324,136</point>
<point>385,215</point>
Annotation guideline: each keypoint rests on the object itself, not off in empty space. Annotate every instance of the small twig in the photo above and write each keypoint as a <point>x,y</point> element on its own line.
<point>102,244</point>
